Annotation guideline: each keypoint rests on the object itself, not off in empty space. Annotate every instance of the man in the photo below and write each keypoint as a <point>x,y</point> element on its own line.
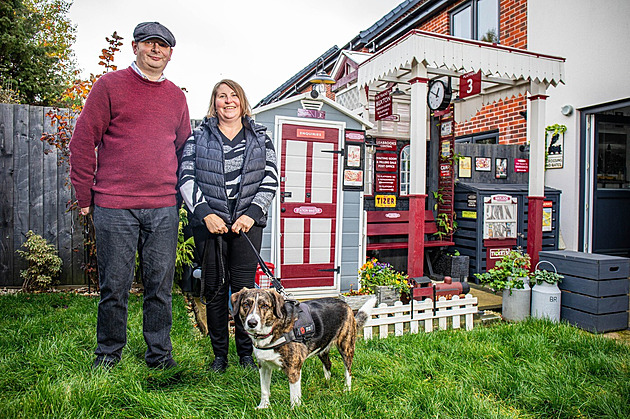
<point>138,123</point>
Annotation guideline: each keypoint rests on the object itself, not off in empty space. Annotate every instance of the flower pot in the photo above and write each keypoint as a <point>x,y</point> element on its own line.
<point>546,301</point>
<point>387,295</point>
<point>454,266</point>
<point>516,303</point>
<point>356,301</point>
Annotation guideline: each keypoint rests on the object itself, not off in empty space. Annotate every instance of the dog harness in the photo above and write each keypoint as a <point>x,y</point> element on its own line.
<point>303,329</point>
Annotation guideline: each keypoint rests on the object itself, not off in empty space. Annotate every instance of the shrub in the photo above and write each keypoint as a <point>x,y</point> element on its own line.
<point>185,247</point>
<point>508,273</point>
<point>44,266</point>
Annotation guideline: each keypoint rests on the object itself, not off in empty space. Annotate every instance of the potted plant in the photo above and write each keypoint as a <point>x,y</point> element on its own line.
<point>388,284</point>
<point>545,293</point>
<point>511,277</point>
<point>452,264</point>
<point>356,298</point>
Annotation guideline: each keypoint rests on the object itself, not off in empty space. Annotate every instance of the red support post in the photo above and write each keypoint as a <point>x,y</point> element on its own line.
<point>415,255</point>
<point>534,227</point>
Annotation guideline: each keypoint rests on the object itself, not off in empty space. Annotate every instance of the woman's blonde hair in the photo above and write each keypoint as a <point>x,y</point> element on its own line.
<point>240,93</point>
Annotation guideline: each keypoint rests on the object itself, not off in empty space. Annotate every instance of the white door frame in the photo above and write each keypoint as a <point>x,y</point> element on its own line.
<point>309,292</point>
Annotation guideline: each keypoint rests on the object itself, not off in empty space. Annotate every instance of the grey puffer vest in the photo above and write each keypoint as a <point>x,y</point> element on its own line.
<point>209,165</point>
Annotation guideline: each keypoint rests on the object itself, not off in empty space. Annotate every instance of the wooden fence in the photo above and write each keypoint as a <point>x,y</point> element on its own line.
<point>34,195</point>
<point>407,318</point>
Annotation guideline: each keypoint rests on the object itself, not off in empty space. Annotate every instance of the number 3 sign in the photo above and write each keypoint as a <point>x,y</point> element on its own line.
<point>469,84</point>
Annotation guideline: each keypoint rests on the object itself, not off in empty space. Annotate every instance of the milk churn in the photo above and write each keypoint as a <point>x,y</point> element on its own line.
<point>546,295</point>
<point>516,302</point>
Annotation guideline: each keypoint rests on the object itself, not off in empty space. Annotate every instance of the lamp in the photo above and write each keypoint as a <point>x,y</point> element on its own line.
<point>397,92</point>
<point>458,99</point>
<point>321,77</point>
<point>370,144</point>
<point>566,110</point>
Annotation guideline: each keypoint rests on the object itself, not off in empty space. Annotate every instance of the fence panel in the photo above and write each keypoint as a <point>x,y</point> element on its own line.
<point>6,193</point>
<point>34,194</point>
<point>405,316</point>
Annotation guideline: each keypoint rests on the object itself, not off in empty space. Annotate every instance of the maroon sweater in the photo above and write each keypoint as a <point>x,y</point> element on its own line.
<point>139,128</point>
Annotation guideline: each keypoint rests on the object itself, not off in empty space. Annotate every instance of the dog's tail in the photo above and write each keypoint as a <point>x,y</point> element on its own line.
<point>365,312</point>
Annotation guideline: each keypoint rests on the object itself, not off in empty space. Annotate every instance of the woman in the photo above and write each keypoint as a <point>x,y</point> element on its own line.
<point>228,178</point>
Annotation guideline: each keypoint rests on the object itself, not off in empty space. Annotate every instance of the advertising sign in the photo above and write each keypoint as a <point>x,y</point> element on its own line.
<point>311,113</point>
<point>500,217</point>
<point>385,144</point>
<point>353,165</point>
<point>383,104</point>
<point>386,182</point>
<point>385,201</point>
<point>521,165</point>
<point>547,215</point>
<point>386,162</point>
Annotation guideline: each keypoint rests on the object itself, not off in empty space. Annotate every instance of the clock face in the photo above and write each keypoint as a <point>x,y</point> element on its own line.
<point>438,98</point>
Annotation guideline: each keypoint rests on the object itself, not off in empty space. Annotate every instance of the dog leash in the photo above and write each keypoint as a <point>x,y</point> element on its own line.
<point>222,273</point>
<point>276,283</point>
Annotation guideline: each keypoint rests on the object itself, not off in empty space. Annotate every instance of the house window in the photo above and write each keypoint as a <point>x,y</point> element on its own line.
<point>476,19</point>
<point>405,170</point>
<point>488,137</point>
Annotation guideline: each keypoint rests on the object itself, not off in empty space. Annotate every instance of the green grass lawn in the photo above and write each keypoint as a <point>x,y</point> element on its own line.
<point>529,369</point>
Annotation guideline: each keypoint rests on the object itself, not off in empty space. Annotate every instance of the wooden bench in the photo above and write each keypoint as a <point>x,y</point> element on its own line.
<point>394,225</point>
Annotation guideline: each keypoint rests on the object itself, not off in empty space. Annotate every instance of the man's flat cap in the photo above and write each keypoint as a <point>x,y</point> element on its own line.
<point>148,30</point>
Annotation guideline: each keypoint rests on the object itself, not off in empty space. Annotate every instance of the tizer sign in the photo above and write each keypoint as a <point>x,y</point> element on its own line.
<point>385,201</point>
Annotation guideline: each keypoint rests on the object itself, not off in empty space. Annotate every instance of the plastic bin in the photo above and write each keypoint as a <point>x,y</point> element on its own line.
<point>262,280</point>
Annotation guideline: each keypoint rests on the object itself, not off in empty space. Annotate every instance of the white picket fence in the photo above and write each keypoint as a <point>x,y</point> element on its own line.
<point>405,319</point>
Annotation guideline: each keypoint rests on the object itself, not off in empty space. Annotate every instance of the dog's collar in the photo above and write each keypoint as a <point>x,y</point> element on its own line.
<point>282,340</point>
<point>257,336</point>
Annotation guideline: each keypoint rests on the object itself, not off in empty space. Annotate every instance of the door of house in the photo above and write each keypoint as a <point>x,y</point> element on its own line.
<point>611,222</point>
<point>308,205</point>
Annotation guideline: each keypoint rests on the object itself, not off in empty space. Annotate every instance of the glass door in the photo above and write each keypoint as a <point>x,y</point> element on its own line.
<point>611,218</point>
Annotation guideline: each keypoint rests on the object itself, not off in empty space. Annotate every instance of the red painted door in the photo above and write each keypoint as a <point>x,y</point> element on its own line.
<point>308,205</point>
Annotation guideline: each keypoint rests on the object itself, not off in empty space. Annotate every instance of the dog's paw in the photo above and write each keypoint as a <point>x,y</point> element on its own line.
<point>263,404</point>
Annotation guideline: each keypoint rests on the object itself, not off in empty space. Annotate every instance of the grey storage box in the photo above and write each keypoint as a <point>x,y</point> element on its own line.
<point>587,265</point>
<point>594,289</point>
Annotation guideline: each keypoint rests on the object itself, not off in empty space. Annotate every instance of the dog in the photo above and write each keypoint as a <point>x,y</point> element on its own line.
<point>270,321</point>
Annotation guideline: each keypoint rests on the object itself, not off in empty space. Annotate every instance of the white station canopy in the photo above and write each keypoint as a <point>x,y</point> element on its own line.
<point>506,72</point>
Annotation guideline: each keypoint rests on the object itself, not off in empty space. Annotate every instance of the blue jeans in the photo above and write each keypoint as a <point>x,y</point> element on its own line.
<point>119,233</point>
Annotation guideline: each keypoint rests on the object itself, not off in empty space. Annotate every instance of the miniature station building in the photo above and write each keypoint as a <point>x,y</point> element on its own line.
<point>574,182</point>
<point>343,194</point>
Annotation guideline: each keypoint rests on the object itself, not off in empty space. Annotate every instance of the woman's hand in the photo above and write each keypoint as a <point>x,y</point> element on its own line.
<point>244,223</point>
<point>215,224</point>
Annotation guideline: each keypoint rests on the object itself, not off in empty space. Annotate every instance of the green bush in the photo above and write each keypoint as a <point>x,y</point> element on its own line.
<point>185,247</point>
<point>508,273</point>
<point>44,266</point>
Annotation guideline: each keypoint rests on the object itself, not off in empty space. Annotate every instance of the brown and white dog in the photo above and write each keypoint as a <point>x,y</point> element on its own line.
<point>267,318</point>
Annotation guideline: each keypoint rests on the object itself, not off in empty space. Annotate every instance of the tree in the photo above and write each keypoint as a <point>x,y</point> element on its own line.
<point>36,58</point>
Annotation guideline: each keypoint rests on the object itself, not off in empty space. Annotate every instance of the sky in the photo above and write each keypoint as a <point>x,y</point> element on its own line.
<point>259,44</point>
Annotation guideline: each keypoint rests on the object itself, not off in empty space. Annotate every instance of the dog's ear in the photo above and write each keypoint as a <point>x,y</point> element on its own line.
<point>278,303</point>
<point>236,302</point>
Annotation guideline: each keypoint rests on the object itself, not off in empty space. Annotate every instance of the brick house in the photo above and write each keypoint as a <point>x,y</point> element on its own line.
<point>591,169</point>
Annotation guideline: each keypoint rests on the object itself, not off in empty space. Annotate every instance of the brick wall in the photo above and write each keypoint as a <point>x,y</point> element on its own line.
<point>513,23</point>
<point>503,115</point>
